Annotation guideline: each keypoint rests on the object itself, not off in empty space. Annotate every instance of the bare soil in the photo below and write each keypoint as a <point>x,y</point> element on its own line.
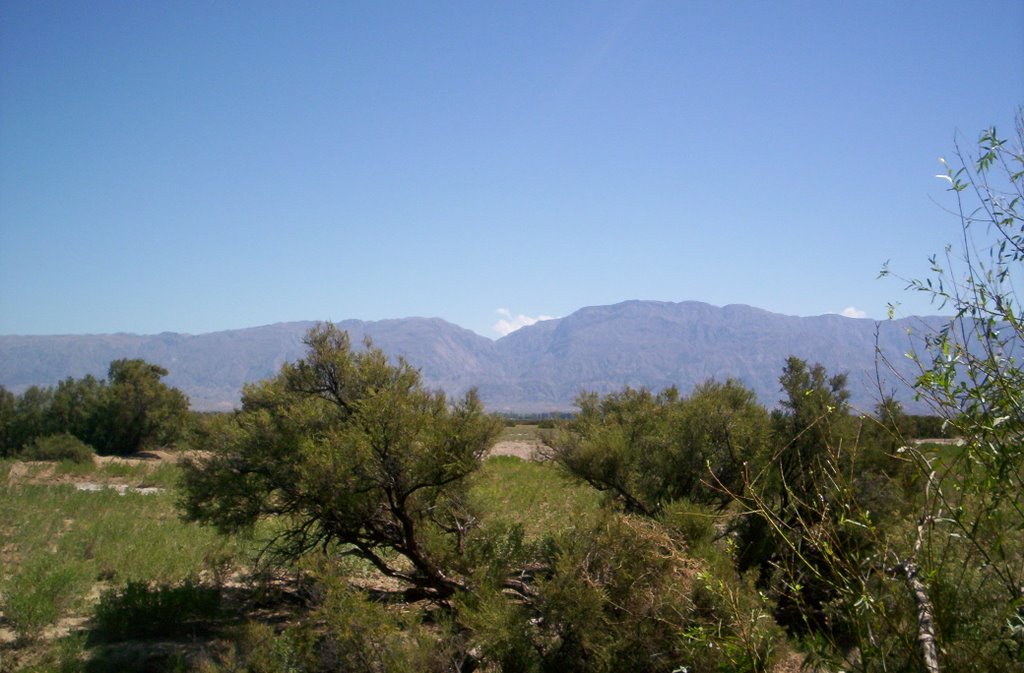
<point>525,449</point>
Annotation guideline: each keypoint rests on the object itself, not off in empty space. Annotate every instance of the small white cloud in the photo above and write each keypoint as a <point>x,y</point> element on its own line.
<point>851,312</point>
<point>510,323</point>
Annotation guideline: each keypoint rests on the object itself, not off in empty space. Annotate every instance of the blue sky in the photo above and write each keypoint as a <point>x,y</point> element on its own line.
<point>193,167</point>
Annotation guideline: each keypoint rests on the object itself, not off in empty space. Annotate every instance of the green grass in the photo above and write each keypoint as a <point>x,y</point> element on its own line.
<point>57,544</point>
<point>61,549</point>
<point>116,470</point>
<point>536,495</point>
<point>520,433</point>
<point>71,468</point>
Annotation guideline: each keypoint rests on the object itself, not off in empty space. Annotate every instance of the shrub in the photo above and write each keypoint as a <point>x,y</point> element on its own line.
<point>353,451</point>
<point>58,447</point>
<point>647,449</point>
<point>620,593</point>
<point>142,611</point>
<point>693,522</point>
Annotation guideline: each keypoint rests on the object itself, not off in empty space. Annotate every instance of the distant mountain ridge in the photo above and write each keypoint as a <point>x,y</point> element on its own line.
<point>538,368</point>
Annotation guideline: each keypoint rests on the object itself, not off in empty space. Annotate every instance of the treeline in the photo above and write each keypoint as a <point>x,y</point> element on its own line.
<point>130,410</point>
<point>911,426</point>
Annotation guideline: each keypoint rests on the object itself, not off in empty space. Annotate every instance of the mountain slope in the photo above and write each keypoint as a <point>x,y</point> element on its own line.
<point>657,344</point>
<point>537,368</point>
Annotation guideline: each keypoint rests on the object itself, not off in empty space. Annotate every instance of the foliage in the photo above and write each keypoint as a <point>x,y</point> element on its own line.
<point>971,525</point>
<point>885,554</point>
<point>139,610</point>
<point>75,407</point>
<point>343,632</point>
<point>24,417</point>
<point>619,592</point>
<point>344,448</point>
<point>138,410</point>
<point>58,447</point>
<point>814,417</point>
<point>647,450</point>
<point>132,411</point>
<point>825,512</point>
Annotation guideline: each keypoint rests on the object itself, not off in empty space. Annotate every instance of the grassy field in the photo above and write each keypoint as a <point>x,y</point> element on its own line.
<point>83,570</point>
<point>521,432</point>
<point>62,547</point>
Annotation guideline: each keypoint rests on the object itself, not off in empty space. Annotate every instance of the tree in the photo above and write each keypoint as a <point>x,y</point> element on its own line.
<point>138,410</point>
<point>350,454</point>
<point>8,420</point>
<point>814,418</point>
<point>75,407</point>
<point>29,417</point>
<point>720,431</point>
<point>648,450</point>
<point>785,536</point>
<point>619,444</point>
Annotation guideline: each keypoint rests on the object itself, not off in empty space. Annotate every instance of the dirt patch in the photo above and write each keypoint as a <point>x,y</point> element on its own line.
<point>46,472</point>
<point>527,450</point>
<point>154,457</point>
<point>121,489</point>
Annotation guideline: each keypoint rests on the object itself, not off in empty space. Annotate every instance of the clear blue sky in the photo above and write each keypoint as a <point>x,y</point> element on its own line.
<point>198,166</point>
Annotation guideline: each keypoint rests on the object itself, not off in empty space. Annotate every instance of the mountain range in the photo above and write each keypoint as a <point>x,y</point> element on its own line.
<point>536,369</point>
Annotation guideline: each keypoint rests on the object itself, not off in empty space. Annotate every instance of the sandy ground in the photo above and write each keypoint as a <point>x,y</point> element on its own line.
<point>527,450</point>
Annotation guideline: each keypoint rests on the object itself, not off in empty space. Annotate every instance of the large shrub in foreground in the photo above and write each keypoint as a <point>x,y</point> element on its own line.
<point>349,453</point>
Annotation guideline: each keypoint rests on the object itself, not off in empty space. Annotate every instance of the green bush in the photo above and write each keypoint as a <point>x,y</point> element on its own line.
<point>344,632</point>
<point>646,449</point>
<point>619,593</point>
<point>142,611</point>
<point>693,522</point>
<point>58,447</point>
<point>257,648</point>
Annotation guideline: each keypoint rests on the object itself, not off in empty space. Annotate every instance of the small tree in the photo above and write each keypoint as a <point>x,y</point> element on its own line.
<point>647,450</point>
<point>27,418</point>
<point>619,443</point>
<point>814,418</point>
<point>76,405</point>
<point>351,454</point>
<point>138,410</point>
<point>8,422</point>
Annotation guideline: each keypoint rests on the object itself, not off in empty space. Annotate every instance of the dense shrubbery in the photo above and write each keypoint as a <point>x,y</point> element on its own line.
<point>723,525</point>
<point>351,457</point>
<point>128,412</point>
<point>647,450</point>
